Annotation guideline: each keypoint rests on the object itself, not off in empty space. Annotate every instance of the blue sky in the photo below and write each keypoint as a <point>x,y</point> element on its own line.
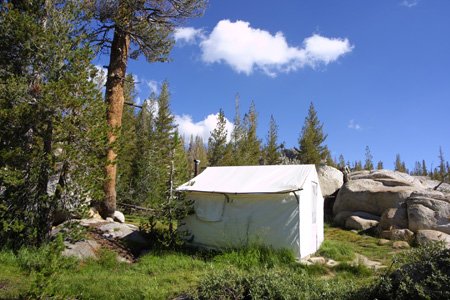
<point>378,72</point>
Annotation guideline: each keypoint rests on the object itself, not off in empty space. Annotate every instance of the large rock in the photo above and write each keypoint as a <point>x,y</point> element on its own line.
<point>388,178</point>
<point>426,236</point>
<point>394,218</point>
<point>358,223</point>
<point>429,210</point>
<point>126,232</point>
<point>119,217</point>
<point>370,195</point>
<point>398,235</point>
<point>81,249</point>
<point>331,180</point>
<point>341,218</point>
<point>431,184</point>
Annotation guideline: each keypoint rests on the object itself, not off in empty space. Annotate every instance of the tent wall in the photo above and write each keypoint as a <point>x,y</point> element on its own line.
<point>311,216</point>
<point>270,219</point>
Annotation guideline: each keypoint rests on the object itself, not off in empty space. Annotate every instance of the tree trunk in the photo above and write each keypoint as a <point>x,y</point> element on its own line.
<point>115,100</point>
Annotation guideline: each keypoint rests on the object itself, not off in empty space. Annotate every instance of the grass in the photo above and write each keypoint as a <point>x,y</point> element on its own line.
<point>165,274</point>
<point>337,240</point>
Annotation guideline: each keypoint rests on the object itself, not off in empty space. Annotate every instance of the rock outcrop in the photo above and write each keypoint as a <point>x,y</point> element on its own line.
<point>406,207</point>
<point>371,195</point>
<point>425,236</point>
<point>331,180</point>
<point>429,210</point>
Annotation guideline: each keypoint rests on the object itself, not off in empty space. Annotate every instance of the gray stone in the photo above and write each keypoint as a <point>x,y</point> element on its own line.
<point>109,219</point>
<point>119,217</point>
<point>431,184</point>
<point>382,242</point>
<point>388,178</point>
<point>82,249</point>
<point>400,245</point>
<point>341,217</point>
<point>370,196</point>
<point>126,232</point>
<point>398,234</point>
<point>426,236</point>
<point>94,214</point>
<point>394,218</point>
<point>305,262</point>
<point>429,210</point>
<point>331,263</point>
<point>359,223</point>
<point>331,180</point>
<point>317,260</point>
<point>363,260</point>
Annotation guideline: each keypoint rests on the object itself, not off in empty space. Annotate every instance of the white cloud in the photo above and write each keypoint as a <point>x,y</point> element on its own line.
<point>188,34</point>
<point>245,49</point>
<point>409,3</point>
<point>187,127</point>
<point>100,78</point>
<point>153,85</point>
<point>324,50</point>
<point>353,125</point>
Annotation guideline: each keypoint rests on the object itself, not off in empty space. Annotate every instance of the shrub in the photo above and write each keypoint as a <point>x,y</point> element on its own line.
<point>269,284</point>
<point>423,273</point>
<point>43,264</point>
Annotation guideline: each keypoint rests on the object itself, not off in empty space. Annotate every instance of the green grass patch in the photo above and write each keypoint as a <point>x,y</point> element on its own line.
<point>164,273</point>
<point>256,256</point>
<point>337,250</point>
<point>362,244</point>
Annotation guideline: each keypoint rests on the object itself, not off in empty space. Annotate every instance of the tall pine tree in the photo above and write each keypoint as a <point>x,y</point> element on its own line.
<point>51,115</point>
<point>272,154</point>
<point>217,142</point>
<point>311,142</point>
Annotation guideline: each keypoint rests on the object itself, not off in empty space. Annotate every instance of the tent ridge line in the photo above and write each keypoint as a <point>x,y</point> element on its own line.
<point>246,193</point>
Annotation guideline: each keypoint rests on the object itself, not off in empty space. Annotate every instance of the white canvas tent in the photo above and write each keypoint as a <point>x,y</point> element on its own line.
<point>280,206</point>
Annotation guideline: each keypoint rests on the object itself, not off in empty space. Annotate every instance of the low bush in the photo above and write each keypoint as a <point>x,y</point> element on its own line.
<point>421,273</point>
<point>269,284</point>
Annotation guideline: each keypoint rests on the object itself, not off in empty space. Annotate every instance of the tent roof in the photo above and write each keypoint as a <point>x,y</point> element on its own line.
<point>250,179</point>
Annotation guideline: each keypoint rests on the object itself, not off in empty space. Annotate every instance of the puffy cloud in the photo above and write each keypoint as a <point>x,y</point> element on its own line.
<point>325,50</point>
<point>353,125</point>
<point>187,127</point>
<point>245,49</point>
<point>187,34</point>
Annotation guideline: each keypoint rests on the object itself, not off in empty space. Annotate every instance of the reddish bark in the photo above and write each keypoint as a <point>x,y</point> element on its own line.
<point>115,100</point>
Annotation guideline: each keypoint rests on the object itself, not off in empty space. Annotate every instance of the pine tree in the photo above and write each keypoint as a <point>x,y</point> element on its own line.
<point>341,163</point>
<point>311,149</point>
<point>424,168</point>
<point>441,164</point>
<point>197,151</point>
<point>217,142</point>
<point>357,166</point>
<point>128,29</point>
<point>51,137</point>
<point>368,164</point>
<point>233,150</point>
<point>162,146</point>
<point>380,165</point>
<point>127,145</point>
<point>417,169</point>
<point>399,164</point>
<point>271,151</point>
<point>250,148</point>
<point>143,162</point>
